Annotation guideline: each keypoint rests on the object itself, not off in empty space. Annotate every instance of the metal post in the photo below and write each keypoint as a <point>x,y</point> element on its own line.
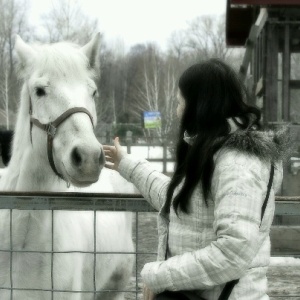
<point>164,157</point>
<point>286,67</point>
<point>52,253</point>
<point>271,87</point>
<point>95,256</point>
<point>136,256</point>
<point>129,141</point>
<point>11,255</point>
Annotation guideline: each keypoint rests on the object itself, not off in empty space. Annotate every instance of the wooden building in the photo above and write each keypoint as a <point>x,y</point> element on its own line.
<point>270,32</point>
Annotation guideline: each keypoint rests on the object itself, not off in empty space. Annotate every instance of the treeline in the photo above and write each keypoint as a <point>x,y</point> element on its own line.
<point>141,79</point>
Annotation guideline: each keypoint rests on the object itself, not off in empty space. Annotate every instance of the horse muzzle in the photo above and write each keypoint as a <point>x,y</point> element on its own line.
<point>85,165</point>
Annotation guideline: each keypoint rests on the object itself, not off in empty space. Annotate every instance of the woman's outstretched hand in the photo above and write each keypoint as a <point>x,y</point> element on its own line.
<point>113,155</point>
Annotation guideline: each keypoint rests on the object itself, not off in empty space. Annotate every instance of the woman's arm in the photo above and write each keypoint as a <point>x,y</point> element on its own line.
<point>151,183</point>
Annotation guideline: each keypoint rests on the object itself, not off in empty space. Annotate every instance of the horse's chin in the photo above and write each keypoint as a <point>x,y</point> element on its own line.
<point>80,183</point>
<point>77,181</point>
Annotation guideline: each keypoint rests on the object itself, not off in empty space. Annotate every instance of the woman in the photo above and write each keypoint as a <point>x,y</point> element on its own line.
<point>210,227</point>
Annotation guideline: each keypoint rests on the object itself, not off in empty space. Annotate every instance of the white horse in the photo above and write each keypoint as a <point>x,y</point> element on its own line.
<point>54,145</point>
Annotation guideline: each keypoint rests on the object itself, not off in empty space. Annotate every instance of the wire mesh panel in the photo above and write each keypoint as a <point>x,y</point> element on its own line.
<point>73,257</point>
<point>59,258</point>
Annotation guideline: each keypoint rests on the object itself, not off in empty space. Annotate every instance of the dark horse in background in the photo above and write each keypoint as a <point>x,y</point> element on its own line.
<point>5,144</point>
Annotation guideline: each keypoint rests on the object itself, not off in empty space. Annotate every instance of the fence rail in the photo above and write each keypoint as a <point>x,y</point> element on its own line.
<point>106,202</point>
<point>74,201</point>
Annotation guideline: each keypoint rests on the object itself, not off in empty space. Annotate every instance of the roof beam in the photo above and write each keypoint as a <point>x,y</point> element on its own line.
<point>250,42</point>
<point>265,2</point>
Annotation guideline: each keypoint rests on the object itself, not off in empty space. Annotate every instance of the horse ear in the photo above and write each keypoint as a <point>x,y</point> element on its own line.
<point>24,51</point>
<point>91,50</point>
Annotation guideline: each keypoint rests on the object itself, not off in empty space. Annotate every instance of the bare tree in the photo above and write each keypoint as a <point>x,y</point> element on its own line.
<point>147,88</point>
<point>66,21</point>
<point>106,107</point>
<point>148,91</point>
<point>177,44</point>
<point>156,89</point>
<point>4,96</point>
<point>206,37</point>
<point>170,92</point>
<point>112,85</point>
<point>13,20</point>
<point>203,38</point>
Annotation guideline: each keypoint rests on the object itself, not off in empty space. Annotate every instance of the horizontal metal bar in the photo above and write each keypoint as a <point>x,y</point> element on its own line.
<point>104,291</point>
<point>106,202</point>
<point>288,208</point>
<point>273,254</point>
<point>75,251</point>
<point>160,159</point>
<point>65,291</point>
<point>286,254</point>
<point>285,296</point>
<point>287,198</point>
<point>74,201</point>
<point>275,21</point>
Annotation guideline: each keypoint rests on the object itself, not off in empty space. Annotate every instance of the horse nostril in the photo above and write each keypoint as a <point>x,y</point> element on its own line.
<point>76,157</point>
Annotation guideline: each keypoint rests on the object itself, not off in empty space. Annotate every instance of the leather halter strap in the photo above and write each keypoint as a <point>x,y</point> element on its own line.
<point>51,128</point>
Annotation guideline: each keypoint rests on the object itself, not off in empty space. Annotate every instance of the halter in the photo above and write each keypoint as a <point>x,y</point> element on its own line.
<point>51,129</point>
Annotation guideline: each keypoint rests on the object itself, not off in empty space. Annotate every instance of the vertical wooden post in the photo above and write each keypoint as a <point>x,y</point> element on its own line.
<point>271,84</point>
<point>286,68</point>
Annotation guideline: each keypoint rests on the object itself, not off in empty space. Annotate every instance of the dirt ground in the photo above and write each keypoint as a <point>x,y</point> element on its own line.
<point>284,281</point>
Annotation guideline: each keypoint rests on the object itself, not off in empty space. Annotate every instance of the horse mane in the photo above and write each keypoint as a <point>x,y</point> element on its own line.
<point>56,60</point>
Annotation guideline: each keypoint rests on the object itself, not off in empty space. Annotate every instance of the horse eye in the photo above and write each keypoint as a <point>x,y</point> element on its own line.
<point>39,91</point>
<point>95,93</point>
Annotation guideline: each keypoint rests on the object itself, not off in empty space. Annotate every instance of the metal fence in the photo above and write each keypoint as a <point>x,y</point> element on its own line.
<point>285,206</point>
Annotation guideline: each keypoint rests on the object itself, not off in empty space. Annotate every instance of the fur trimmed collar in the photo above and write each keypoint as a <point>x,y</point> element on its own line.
<point>267,145</point>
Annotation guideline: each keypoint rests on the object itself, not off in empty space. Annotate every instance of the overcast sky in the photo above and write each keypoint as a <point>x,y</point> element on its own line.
<point>139,21</point>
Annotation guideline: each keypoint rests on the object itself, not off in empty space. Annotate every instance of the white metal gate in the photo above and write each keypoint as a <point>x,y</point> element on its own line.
<point>105,202</point>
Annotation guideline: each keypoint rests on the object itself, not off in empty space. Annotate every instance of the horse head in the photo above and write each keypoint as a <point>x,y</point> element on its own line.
<point>59,79</point>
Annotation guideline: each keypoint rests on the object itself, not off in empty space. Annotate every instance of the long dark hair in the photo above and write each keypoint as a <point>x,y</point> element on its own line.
<point>213,93</point>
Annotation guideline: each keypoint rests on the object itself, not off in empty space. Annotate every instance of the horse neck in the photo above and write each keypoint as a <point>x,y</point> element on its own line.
<point>22,129</point>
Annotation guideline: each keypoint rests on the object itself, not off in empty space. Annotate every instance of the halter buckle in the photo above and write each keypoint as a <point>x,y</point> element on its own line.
<point>51,130</point>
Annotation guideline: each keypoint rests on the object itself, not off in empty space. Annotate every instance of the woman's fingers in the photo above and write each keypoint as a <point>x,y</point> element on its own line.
<point>118,146</point>
<point>113,154</point>
<point>109,159</point>
<point>108,148</point>
<point>117,141</point>
<point>109,151</point>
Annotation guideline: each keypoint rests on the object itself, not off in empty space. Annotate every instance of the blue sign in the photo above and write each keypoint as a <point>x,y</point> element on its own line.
<point>151,119</point>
